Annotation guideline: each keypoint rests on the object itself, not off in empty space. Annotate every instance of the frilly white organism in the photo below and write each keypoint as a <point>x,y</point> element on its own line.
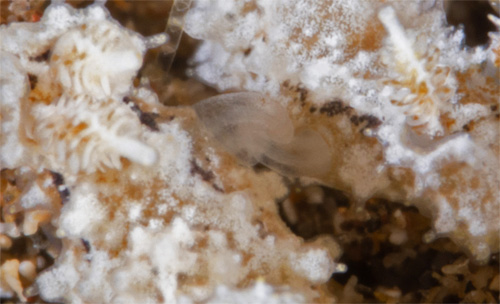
<point>87,136</point>
<point>426,87</point>
<point>73,119</point>
<point>97,59</point>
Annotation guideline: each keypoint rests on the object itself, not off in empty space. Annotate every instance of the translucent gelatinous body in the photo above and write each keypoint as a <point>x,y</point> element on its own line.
<point>259,130</point>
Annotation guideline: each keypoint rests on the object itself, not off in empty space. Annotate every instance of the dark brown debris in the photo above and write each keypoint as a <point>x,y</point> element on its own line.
<point>33,79</point>
<point>371,121</point>
<point>334,107</point>
<point>147,118</point>
<point>58,180</point>
<point>204,174</point>
<point>42,57</point>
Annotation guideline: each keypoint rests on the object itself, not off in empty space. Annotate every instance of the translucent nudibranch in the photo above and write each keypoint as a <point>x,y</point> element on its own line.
<point>259,130</point>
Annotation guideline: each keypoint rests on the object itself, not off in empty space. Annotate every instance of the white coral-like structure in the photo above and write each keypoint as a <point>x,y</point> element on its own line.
<point>97,59</point>
<point>83,135</point>
<point>425,92</point>
<point>77,117</point>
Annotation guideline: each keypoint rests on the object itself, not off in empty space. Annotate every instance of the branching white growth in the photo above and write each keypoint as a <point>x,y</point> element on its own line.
<point>401,43</point>
<point>84,126</point>
<point>495,20</point>
<point>89,136</point>
<point>419,110</point>
<point>97,59</point>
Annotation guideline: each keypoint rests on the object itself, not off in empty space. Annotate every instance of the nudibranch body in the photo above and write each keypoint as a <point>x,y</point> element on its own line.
<point>259,130</point>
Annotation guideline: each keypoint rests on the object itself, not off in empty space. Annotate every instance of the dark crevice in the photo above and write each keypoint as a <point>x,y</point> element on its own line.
<point>473,17</point>
<point>412,267</point>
